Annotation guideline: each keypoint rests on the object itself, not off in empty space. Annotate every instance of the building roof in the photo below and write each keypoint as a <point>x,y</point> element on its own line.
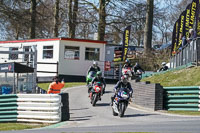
<point>54,39</point>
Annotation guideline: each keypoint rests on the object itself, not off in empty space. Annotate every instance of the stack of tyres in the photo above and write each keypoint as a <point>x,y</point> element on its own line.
<point>6,89</point>
<point>65,107</point>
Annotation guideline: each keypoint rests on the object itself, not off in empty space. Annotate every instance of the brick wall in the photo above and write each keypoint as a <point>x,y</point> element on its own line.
<point>147,95</point>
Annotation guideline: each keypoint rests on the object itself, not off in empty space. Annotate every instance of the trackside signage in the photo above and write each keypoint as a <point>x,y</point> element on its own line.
<point>6,67</point>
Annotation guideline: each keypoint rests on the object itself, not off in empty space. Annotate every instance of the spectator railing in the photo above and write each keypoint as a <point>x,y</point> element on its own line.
<point>187,54</point>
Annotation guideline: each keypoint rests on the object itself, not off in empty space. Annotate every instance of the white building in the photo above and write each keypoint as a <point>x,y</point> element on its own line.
<point>74,56</point>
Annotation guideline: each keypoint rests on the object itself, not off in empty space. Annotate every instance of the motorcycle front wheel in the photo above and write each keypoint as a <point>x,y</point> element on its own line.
<point>114,113</point>
<point>122,107</point>
<point>94,99</point>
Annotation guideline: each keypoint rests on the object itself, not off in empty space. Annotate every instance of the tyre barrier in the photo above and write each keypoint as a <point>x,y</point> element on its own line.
<point>36,108</point>
<point>182,98</point>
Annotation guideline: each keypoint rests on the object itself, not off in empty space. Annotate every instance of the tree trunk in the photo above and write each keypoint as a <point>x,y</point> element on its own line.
<point>148,26</point>
<point>56,18</point>
<point>33,19</point>
<point>72,18</point>
<point>102,20</point>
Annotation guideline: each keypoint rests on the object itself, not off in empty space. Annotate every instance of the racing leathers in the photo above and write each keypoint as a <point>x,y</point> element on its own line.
<point>95,69</point>
<point>119,85</point>
<point>98,79</point>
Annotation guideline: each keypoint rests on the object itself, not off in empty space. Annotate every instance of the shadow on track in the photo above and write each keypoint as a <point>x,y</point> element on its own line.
<point>80,109</point>
<point>81,118</point>
<point>138,115</point>
<point>102,104</point>
<point>109,92</point>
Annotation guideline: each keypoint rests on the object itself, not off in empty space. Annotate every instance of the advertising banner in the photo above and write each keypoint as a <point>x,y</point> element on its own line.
<point>198,18</point>
<point>174,38</point>
<point>126,37</point>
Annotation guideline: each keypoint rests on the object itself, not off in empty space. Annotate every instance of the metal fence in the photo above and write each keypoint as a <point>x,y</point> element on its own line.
<point>187,54</point>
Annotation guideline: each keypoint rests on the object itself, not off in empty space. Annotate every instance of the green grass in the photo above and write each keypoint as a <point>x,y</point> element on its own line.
<point>18,126</point>
<point>184,77</point>
<point>67,85</point>
<point>185,112</point>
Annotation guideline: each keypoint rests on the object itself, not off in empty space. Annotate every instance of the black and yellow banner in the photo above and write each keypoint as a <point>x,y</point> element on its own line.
<point>198,18</point>
<point>174,38</point>
<point>193,10</point>
<point>126,37</point>
<point>187,20</point>
<point>181,30</point>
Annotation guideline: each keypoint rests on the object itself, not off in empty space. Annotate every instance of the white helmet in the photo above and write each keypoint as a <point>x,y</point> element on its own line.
<point>95,63</point>
<point>163,63</point>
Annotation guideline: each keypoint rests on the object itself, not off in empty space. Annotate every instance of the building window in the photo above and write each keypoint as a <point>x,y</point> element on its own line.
<point>92,54</point>
<point>28,57</point>
<point>71,53</point>
<point>13,56</point>
<point>47,52</point>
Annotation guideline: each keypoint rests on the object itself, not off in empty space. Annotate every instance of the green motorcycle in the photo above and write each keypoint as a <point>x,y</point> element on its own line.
<point>90,76</point>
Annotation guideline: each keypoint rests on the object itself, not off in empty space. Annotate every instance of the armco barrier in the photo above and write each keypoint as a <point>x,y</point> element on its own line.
<point>40,108</point>
<point>185,98</point>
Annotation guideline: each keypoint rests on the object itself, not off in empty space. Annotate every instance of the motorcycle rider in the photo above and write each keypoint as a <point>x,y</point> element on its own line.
<point>127,64</point>
<point>138,67</point>
<point>56,86</point>
<point>123,83</point>
<point>100,79</point>
<point>164,67</point>
<point>94,67</point>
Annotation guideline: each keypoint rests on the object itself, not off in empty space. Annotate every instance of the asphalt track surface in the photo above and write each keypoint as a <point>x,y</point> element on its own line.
<point>85,118</point>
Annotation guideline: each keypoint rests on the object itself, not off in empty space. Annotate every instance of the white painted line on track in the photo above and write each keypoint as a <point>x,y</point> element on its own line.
<point>158,112</point>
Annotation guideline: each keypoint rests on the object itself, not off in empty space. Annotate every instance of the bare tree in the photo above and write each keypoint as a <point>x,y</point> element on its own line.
<point>72,17</point>
<point>56,18</point>
<point>33,19</point>
<point>102,20</point>
<point>148,26</point>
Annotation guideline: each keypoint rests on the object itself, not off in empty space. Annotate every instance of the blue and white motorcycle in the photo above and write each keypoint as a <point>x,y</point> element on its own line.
<point>121,101</point>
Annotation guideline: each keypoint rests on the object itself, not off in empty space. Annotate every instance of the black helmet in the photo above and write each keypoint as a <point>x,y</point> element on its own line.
<point>56,78</point>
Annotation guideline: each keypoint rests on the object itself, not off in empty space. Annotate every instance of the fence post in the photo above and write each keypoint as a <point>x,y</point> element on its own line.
<point>120,71</point>
<point>57,68</point>
<point>197,50</point>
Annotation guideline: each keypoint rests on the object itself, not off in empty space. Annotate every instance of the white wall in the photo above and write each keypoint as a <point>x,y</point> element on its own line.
<point>66,66</point>
<point>79,67</point>
<point>47,67</point>
<point>40,67</point>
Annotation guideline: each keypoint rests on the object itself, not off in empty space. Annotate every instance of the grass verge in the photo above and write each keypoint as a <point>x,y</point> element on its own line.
<point>193,113</point>
<point>67,85</point>
<point>184,77</point>
<point>18,126</point>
